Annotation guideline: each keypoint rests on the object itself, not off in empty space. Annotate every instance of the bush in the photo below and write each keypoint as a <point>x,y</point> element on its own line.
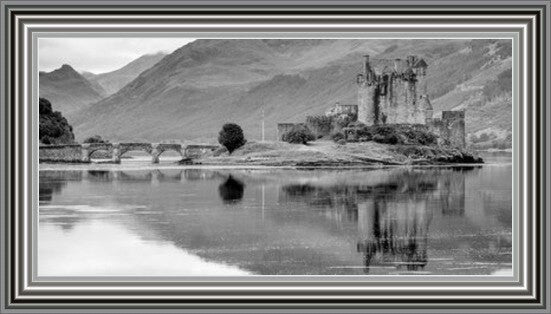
<point>391,134</point>
<point>231,136</point>
<point>337,136</point>
<point>343,121</point>
<point>386,138</point>
<point>320,125</point>
<point>298,135</point>
<point>95,139</point>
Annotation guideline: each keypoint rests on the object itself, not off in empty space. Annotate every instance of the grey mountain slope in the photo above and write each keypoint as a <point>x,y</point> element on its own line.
<point>67,90</point>
<point>113,81</point>
<point>193,91</point>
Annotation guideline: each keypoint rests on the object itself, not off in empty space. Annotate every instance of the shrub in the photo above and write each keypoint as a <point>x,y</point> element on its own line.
<point>391,134</point>
<point>298,135</point>
<point>320,125</point>
<point>343,121</point>
<point>231,136</point>
<point>386,138</point>
<point>337,136</point>
<point>95,139</point>
<point>357,125</point>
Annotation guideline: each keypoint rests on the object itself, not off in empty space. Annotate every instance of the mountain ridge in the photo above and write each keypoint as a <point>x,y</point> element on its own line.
<point>68,90</point>
<point>190,93</point>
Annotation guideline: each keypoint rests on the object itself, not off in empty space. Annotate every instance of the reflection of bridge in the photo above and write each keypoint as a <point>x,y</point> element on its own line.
<point>83,153</point>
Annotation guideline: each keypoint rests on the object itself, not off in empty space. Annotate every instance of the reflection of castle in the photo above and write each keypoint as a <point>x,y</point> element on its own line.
<point>392,212</point>
<point>394,234</point>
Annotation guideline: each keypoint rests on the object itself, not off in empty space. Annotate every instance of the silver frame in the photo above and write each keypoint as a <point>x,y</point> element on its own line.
<point>526,23</point>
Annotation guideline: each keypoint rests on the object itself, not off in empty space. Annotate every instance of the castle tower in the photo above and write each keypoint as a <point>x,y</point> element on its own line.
<point>368,98</point>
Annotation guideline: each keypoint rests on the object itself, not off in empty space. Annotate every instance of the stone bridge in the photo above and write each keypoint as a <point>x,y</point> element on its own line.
<point>83,153</point>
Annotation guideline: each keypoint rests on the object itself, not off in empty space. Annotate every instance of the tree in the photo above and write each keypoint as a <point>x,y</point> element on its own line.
<point>95,139</point>
<point>231,136</point>
<point>52,126</point>
<point>298,135</point>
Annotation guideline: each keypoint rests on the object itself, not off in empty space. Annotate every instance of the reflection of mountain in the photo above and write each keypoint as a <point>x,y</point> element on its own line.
<point>315,222</point>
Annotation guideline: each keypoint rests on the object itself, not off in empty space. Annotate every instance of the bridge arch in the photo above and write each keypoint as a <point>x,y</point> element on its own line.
<point>119,149</point>
<point>89,148</point>
<point>159,149</point>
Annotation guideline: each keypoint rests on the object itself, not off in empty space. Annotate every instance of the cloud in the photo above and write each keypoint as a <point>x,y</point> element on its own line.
<point>100,55</point>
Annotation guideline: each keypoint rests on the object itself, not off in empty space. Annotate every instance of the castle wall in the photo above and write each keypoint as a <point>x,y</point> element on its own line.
<point>450,128</point>
<point>454,122</point>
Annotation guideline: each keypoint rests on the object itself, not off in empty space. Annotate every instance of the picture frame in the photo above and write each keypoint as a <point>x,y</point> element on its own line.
<point>526,23</point>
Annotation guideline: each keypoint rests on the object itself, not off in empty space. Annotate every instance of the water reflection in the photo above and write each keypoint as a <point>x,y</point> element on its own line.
<point>231,190</point>
<point>383,221</point>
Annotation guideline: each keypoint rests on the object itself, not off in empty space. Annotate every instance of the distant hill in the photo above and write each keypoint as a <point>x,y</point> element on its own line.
<point>68,90</point>
<point>190,93</point>
<point>111,82</point>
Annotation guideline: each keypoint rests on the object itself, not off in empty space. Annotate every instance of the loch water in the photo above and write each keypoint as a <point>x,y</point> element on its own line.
<point>234,222</point>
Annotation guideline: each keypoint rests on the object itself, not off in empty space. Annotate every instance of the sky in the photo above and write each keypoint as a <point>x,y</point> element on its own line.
<point>99,55</point>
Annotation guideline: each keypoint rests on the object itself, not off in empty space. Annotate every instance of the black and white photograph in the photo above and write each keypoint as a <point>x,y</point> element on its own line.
<point>214,157</point>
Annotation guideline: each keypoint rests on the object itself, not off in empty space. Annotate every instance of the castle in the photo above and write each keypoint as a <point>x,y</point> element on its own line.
<point>395,92</point>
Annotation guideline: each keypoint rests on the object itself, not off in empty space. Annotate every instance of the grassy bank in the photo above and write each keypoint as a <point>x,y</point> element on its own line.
<point>328,153</point>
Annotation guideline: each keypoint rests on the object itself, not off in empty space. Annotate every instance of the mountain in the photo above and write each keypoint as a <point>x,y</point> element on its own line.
<point>68,90</point>
<point>190,93</point>
<point>111,82</point>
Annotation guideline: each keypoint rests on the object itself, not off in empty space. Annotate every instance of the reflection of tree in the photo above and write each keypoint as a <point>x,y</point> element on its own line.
<point>231,190</point>
<point>52,182</point>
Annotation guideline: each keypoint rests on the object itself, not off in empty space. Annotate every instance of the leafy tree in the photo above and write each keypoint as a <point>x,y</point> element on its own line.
<point>231,136</point>
<point>53,128</point>
<point>298,135</point>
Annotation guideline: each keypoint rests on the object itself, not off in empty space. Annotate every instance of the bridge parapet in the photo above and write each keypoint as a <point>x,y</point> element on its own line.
<point>126,147</point>
<point>83,152</point>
